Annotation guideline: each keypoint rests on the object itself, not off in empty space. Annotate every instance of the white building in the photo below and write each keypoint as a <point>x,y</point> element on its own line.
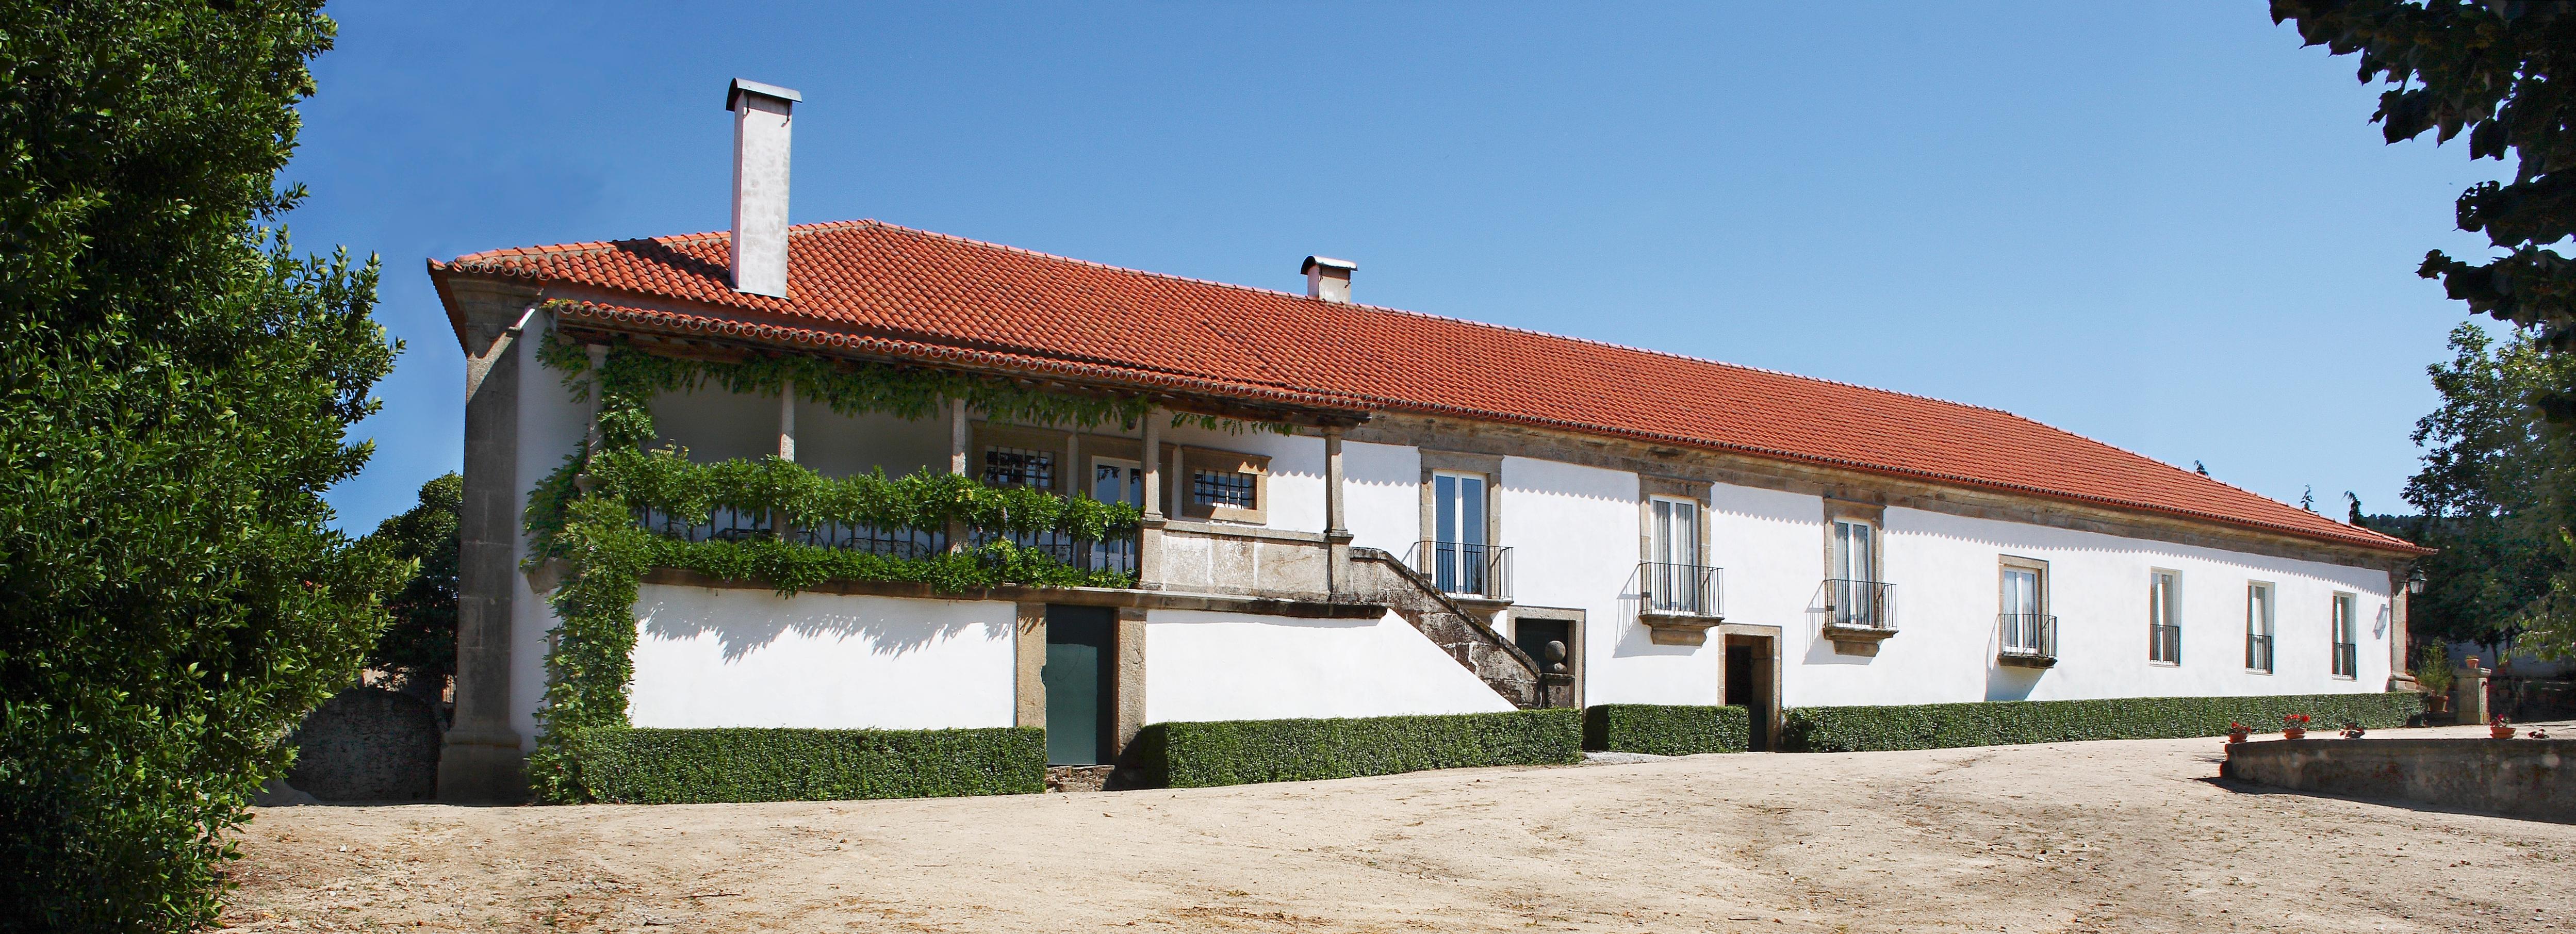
<point>1690,532</point>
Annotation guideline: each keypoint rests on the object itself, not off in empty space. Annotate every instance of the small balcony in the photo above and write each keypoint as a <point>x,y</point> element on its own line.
<point>1856,615</point>
<point>1679,603</point>
<point>1464,569</point>
<point>2029,640</point>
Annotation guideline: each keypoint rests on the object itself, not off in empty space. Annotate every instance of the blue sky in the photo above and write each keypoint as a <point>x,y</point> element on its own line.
<point>2165,226</point>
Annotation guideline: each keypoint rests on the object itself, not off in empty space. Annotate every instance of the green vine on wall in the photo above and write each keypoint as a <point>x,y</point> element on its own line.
<point>584,516</point>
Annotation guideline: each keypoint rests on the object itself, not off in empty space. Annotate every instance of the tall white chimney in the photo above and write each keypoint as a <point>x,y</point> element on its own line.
<point>1328,278</point>
<point>760,128</point>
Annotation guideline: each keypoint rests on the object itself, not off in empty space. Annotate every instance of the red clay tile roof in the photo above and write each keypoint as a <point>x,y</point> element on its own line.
<point>908,293</point>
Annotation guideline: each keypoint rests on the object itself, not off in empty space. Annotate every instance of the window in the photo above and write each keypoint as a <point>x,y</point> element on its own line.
<point>1219,485</point>
<point>2258,627</point>
<point>1008,466</point>
<point>2164,617</point>
<point>1854,595</point>
<point>1672,578</point>
<point>2347,659</point>
<point>1457,553</point>
<point>1229,489</point>
<point>1117,480</point>
<point>2022,617</point>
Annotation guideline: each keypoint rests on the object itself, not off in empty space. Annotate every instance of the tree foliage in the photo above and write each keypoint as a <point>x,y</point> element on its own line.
<point>174,386</point>
<point>2497,71</point>
<point>2484,495</point>
<point>418,646</point>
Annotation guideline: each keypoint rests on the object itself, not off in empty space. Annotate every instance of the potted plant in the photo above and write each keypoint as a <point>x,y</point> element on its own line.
<point>2498,729</point>
<point>2294,725</point>
<point>2352,729</point>
<point>2433,673</point>
<point>2236,732</point>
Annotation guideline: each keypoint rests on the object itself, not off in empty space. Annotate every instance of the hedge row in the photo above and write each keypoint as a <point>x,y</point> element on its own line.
<point>1235,752</point>
<point>657,766</point>
<point>1666,729</point>
<point>1995,723</point>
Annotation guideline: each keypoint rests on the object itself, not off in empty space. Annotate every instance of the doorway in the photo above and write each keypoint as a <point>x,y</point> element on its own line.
<point>1080,680</point>
<point>1749,676</point>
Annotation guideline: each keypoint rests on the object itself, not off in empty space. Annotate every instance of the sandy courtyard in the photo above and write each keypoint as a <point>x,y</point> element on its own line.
<point>2112,836</point>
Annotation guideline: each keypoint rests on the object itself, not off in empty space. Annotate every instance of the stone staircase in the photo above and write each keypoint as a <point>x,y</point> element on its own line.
<point>1381,578</point>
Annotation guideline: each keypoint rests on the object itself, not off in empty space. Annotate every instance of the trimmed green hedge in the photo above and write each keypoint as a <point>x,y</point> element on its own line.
<point>717,766</point>
<point>1235,752</point>
<point>1666,729</point>
<point>1997,723</point>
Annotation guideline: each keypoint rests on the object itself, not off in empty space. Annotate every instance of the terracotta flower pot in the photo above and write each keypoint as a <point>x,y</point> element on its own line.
<point>2294,732</point>
<point>2500,732</point>
<point>2438,703</point>
<point>2233,738</point>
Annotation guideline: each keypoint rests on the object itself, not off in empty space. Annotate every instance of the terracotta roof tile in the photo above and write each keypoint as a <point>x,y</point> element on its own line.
<point>911,293</point>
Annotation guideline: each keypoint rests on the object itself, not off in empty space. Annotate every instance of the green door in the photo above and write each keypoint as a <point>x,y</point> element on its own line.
<point>1079,659</point>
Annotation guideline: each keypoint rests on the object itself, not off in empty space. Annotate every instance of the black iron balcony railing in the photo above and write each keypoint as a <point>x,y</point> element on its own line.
<point>1109,554</point>
<point>1859,604</point>
<point>2164,644</point>
<point>2258,652</point>
<point>1685,589</point>
<point>2028,635</point>
<point>1464,568</point>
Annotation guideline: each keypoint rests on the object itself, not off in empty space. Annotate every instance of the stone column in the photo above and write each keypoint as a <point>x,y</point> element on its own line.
<point>957,443</point>
<point>2401,677</point>
<point>1337,534</point>
<point>479,761</point>
<point>787,419</point>
<point>2469,692</point>
<point>1149,538</point>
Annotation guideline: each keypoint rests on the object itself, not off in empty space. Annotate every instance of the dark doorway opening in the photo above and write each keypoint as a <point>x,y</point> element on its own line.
<point>1081,683</point>
<point>1550,643</point>
<point>1748,684</point>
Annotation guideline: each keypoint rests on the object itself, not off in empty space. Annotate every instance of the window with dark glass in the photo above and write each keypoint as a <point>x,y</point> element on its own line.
<point>1223,488</point>
<point>1019,467</point>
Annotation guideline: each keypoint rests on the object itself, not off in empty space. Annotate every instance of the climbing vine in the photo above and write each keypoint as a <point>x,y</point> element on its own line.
<point>584,518</point>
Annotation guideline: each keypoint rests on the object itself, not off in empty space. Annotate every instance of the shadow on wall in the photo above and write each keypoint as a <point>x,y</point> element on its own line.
<point>2004,683</point>
<point>745,621</point>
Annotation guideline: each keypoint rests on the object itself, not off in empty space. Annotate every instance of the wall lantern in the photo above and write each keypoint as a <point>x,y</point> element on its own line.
<point>2415,582</point>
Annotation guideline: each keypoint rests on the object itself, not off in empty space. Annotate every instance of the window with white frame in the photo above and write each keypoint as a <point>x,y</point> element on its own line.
<point>2347,637</point>
<point>1856,596</point>
<point>2164,617</point>
<point>1673,580</point>
<point>2258,627</point>
<point>1457,554</point>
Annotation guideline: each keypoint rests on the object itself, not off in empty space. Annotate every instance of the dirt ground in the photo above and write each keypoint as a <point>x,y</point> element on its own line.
<point>2109,836</point>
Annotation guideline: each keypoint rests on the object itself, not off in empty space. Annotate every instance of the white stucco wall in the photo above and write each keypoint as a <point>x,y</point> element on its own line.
<point>1945,569</point>
<point>706,657</point>
<point>1296,471</point>
<point>1382,490</point>
<point>1239,666</point>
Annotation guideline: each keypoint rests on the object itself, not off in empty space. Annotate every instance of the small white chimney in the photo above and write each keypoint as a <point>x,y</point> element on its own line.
<point>1328,278</point>
<point>760,128</point>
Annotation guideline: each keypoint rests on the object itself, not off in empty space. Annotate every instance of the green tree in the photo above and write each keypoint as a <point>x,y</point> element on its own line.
<point>175,383</point>
<point>2498,71</point>
<point>2482,495</point>
<point>419,646</point>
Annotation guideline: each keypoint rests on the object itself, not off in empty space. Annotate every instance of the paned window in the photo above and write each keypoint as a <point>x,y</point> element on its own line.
<point>1019,467</point>
<point>1223,488</point>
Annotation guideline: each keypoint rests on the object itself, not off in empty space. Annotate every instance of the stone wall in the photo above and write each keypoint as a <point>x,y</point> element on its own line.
<point>366,744</point>
<point>2530,779</point>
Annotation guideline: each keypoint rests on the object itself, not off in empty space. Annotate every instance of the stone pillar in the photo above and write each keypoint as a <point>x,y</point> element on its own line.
<point>787,419</point>
<point>479,760</point>
<point>957,443</point>
<point>1149,538</point>
<point>1337,534</point>
<point>2469,692</point>
<point>2401,676</point>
